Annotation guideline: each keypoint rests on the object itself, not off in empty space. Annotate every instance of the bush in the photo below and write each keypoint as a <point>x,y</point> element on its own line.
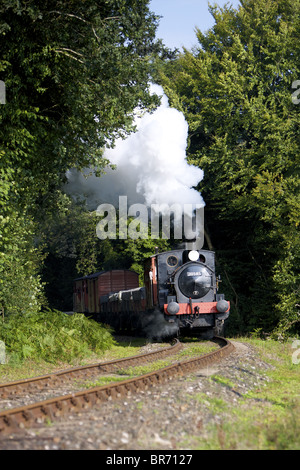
<point>21,288</point>
<point>53,336</point>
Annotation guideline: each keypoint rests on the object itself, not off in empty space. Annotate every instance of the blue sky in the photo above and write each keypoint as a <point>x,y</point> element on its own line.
<point>177,27</point>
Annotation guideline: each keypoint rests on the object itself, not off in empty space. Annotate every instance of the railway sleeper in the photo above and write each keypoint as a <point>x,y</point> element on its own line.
<point>28,415</point>
<point>47,411</point>
<point>9,424</point>
<point>101,396</point>
<point>88,400</point>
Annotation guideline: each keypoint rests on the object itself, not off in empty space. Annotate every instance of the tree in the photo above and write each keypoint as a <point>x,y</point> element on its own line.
<point>235,90</point>
<point>73,250</point>
<point>74,72</point>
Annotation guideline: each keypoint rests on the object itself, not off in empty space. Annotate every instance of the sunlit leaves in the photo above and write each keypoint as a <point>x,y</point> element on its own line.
<point>235,89</point>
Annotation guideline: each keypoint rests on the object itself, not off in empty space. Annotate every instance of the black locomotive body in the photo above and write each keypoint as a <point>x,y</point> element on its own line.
<point>180,294</point>
<point>184,288</point>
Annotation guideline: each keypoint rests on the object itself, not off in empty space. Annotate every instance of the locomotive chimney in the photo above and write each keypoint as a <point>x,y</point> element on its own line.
<point>194,244</point>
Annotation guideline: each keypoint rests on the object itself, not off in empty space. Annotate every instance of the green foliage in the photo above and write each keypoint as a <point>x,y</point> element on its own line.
<point>73,250</point>
<point>20,286</point>
<point>53,336</point>
<point>139,250</point>
<point>264,418</point>
<point>235,90</point>
<point>21,289</point>
<point>74,72</point>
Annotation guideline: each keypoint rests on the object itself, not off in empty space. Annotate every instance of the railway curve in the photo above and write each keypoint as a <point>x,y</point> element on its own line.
<point>40,382</point>
<point>16,419</point>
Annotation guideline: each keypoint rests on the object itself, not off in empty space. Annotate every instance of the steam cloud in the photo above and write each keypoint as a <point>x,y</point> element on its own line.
<point>156,328</point>
<point>151,165</point>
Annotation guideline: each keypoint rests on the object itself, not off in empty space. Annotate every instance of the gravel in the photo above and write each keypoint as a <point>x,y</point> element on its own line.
<point>170,417</point>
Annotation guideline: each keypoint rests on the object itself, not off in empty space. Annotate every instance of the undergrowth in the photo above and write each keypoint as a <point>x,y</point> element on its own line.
<point>52,336</point>
<point>264,418</point>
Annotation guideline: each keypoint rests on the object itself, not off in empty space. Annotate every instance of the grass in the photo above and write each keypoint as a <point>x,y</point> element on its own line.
<point>52,336</point>
<point>266,418</point>
<point>40,343</point>
<point>191,350</point>
<point>127,347</point>
<point>35,366</point>
<point>106,380</point>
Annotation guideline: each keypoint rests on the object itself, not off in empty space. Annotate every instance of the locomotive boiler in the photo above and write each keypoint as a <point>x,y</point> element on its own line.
<point>180,294</point>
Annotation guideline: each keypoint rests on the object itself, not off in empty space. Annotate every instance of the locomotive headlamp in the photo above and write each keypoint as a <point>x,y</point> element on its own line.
<point>193,255</point>
<point>173,308</point>
<point>222,306</point>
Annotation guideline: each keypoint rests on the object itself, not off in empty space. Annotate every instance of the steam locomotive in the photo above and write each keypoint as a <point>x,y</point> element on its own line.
<point>180,294</point>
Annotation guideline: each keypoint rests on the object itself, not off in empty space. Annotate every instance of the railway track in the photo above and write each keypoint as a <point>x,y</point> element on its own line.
<point>16,419</point>
<point>82,372</point>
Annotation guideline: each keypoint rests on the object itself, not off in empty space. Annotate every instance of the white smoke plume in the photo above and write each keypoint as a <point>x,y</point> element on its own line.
<point>151,165</point>
<point>157,328</point>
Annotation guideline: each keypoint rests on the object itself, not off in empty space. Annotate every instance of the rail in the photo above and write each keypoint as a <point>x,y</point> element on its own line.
<point>18,418</point>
